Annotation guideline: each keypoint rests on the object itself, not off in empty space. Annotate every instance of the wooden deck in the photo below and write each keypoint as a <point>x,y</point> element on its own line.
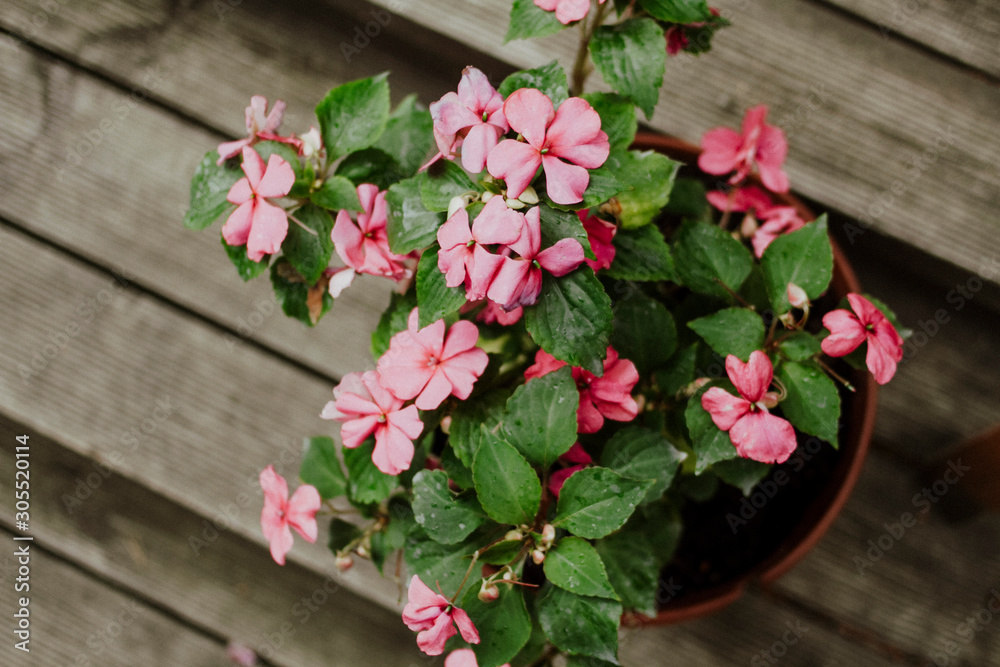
<point>154,385</point>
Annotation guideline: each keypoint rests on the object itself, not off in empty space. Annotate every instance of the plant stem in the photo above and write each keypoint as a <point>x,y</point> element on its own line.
<point>581,66</point>
<point>302,225</point>
<point>835,375</point>
<point>475,557</point>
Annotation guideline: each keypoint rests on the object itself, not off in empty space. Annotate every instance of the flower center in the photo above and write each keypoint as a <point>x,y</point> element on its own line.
<point>432,361</point>
<point>381,419</point>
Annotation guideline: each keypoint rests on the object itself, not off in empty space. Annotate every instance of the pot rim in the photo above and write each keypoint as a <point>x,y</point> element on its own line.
<point>824,508</point>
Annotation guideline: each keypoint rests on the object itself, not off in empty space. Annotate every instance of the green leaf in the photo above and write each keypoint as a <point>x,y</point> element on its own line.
<point>575,566</point>
<point>354,115</point>
<point>803,257</point>
<point>572,319</point>
<point>441,182</point>
<point>393,320</point>
<point>632,57</point>
<point>434,298</point>
<point>292,292</point>
<point>504,625</point>
<point>245,267</point>
<point>457,471</point>
<point>645,332</point>
<point>687,199</point>
<point>337,193</point>
<point>595,501</point>
<point>633,569</point>
<point>401,522</point>
<point>812,403</point>
<point>557,225</point>
<point>580,624</point>
<point>442,515</point>
<point>709,443</point>
<point>679,371</point>
<point>742,473</point>
<point>465,434</point>
<point>209,188</point>
<point>266,149</point>
<point>799,346</point>
<point>587,661</point>
<point>508,488</point>
<point>640,454</point>
<point>528,20</point>
<point>436,563</point>
<point>309,253</point>
<point>550,78</point>
<point>408,135</point>
<point>540,419</point>
<point>618,119</point>
<point>501,553</point>
<point>371,165</point>
<point>642,254</point>
<point>366,483</point>
<point>341,534</point>
<point>647,178</point>
<point>678,11</point>
<point>737,331</point>
<point>410,225</point>
<point>707,256</point>
<point>321,468</point>
<point>659,524</point>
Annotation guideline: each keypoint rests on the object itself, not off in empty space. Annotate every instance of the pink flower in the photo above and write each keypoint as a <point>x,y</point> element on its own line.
<point>471,119</point>
<point>608,396</point>
<point>260,126</point>
<point>566,11</point>
<point>565,143</point>
<point>432,615</point>
<point>848,331</point>
<point>760,145</point>
<point>256,222</point>
<point>676,40</point>
<point>755,433</point>
<point>463,258</point>
<point>518,281</point>
<point>364,407</point>
<point>281,512</point>
<point>750,198</point>
<point>364,245</point>
<point>600,234</point>
<point>778,220</point>
<point>464,657</point>
<point>426,365</point>
<point>576,455</point>
<point>492,312</point>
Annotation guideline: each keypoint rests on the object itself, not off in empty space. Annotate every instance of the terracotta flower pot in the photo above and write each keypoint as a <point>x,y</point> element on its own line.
<point>859,414</point>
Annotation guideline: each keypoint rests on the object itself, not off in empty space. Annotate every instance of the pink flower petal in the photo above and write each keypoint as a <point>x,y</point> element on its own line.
<point>497,224</point>
<point>274,486</point>
<point>268,229</point>
<point>516,163</point>
<point>719,151</point>
<point>393,451</point>
<point>278,178</point>
<point>509,282</point>
<point>529,112</point>
<point>484,270</point>
<point>353,433</point>
<point>763,437</point>
<point>465,626</point>
<point>241,192</point>
<point>565,183</point>
<point>462,336</point>
<point>724,408</point>
<point>588,418</point>
<point>559,477</point>
<point>563,257</point>
<point>432,641</point>
<point>347,240</point>
<point>281,544</point>
<point>301,511</point>
<point>463,657</point>
<point>253,167</point>
<point>544,364</point>
<point>846,333</point>
<point>752,378</point>
<point>477,144</point>
<point>236,231</point>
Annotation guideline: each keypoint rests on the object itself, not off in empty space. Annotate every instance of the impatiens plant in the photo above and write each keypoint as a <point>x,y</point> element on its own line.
<point>583,343</point>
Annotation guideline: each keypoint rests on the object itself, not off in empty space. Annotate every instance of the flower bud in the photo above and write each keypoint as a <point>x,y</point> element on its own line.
<point>446,424</point>
<point>513,535</point>
<point>508,576</point>
<point>538,556</point>
<point>488,593</point>
<point>529,196</point>
<point>515,204</point>
<point>344,562</point>
<point>797,296</point>
<point>749,226</point>
<point>486,196</point>
<point>312,143</point>
<point>456,204</point>
<point>362,551</point>
<point>548,533</point>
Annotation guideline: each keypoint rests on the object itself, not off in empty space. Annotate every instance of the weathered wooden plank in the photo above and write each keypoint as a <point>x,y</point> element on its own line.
<point>895,567</point>
<point>195,567</point>
<point>154,393</point>
<point>874,125</point>
<point>967,31</point>
<point>79,621</point>
<point>230,588</point>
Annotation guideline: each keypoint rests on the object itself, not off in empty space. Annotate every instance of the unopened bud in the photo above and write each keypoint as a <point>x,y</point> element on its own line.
<point>770,399</point>
<point>311,142</point>
<point>446,425</point>
<point>515,204</point>
<point>788,320</point>
<point>548,533</point>
<point>508,576</point>
<point>456,204</point>
<point>529,196</point>
<point>344,563</point>
<point>749,226</point>
<point>486,196</point>
<point>513,535</point>
<point>797,296</point>
<point>362,551</point>
<point>538,556</point>
<point>488,593</point>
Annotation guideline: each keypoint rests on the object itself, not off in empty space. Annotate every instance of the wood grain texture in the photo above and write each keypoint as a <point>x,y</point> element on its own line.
<point>195,567</point>
<point>81,622</point>
<point>968,31</point>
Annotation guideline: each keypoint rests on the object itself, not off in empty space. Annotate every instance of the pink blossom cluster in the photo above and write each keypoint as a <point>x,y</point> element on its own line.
<point>867,324</point>
<point>281,513</point>
<point>425,366</point>
<point>776,220</point>
<point>435,618</point>
<point>565,142</point>
<point>567,11</point>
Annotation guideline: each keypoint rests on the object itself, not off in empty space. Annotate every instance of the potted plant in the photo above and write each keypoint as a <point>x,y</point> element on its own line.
<point>599,360</point>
